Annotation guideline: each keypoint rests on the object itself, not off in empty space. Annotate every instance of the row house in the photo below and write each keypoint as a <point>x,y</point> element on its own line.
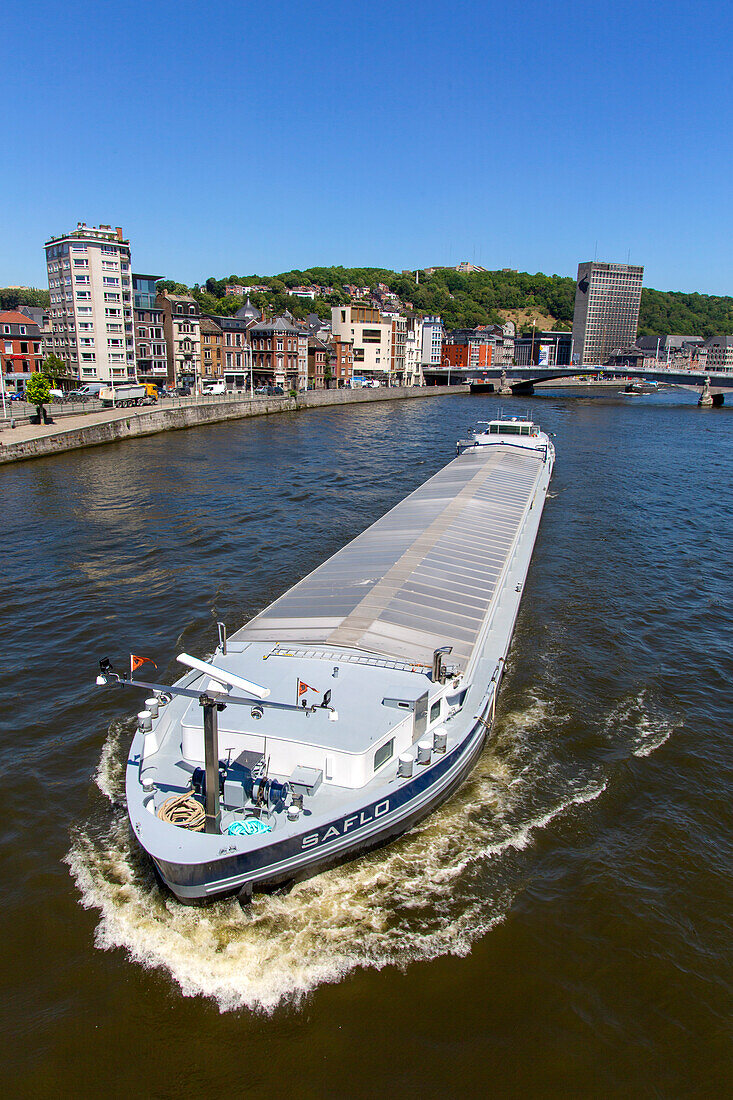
<point>277,354</point>
<point>318,359</point>
<point>151,359</point>
<point>212,339</point>
<point>504,344</point>
<point>718,353</point>
<point>237,290</point>
<point>398,348</point>
<point>468,349</point>
<point>21,350</point>
<point>413,351</point>
<point>342,360</point>
<point>182,328</point>
<point>234,349</point>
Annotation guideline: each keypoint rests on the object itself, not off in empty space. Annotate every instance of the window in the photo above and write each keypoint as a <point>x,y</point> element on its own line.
<point>383,754</point>
<point>192,309</point>
<point>435,711</point>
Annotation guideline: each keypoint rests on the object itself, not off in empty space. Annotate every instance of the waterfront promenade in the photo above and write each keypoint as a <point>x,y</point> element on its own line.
<point>91,429</point>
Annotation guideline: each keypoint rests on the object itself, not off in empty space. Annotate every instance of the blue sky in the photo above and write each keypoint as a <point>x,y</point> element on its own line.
<point>234,137</point>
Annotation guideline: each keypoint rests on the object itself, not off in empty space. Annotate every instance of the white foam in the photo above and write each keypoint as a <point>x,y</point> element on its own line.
<point>415,900</point>
<point>110,774</point>
<point>647,726</point>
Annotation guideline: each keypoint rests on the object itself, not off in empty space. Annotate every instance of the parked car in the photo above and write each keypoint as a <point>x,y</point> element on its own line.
<point>86,393</point>
<point>182,391</point>
<point>217,388</point>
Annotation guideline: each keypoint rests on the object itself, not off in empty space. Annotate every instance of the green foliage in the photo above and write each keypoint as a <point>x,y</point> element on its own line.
<point>172,287</point>
<point>12,297</point>
<point>52,367</point>
<point>667,311</point>
<point>463,301</point>
<point>38,389</point>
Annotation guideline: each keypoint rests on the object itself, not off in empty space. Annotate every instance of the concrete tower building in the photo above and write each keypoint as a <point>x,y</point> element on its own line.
<point>606,317</point>
<point>90,285</point>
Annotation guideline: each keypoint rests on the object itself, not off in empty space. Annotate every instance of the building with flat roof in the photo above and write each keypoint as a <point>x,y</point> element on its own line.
<point>606,317</point>
<point>90,286</point>
<point>371,333</point>
<point>150,352</point>
<point>433,333</point>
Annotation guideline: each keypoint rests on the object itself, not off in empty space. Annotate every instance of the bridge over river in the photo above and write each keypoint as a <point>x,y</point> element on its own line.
<point>711,385</point>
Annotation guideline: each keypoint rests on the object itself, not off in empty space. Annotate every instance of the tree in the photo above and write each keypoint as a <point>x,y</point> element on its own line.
<point>172,287</point>
<point>38,391</point>
<point>52,367</point>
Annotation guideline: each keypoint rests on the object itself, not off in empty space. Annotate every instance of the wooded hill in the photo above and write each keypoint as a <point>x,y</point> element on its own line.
<point>463,301</point>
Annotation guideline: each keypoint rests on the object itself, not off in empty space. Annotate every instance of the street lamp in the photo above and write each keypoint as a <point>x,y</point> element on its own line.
<point>446,362</point>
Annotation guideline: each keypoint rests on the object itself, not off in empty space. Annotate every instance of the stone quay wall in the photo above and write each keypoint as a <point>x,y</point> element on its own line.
<point>115,424</point>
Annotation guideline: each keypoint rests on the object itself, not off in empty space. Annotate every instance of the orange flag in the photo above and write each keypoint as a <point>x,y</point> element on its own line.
<point>136,661</point>
<point>303,687</point>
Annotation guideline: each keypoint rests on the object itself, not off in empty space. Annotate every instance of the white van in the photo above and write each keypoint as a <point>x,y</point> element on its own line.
<point>214,387</point>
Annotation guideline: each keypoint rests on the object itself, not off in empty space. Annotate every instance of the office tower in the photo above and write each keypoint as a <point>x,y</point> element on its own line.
<point>606,317</point>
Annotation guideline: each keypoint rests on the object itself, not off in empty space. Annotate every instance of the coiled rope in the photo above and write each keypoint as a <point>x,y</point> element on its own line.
<point>183,810</point>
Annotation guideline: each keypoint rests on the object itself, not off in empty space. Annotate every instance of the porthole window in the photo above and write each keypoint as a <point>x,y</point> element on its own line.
<point>383,754</point>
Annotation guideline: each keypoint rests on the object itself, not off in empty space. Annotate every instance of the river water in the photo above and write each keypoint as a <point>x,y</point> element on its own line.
<point>561,927</point>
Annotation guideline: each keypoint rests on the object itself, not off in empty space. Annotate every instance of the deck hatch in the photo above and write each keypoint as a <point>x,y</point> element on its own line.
<point>456,532</point>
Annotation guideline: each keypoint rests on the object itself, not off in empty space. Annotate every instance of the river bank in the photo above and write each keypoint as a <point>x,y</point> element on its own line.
<point>112,425</point>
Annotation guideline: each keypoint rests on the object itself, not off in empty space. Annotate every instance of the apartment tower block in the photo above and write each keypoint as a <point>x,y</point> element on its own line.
<point>90,285</point>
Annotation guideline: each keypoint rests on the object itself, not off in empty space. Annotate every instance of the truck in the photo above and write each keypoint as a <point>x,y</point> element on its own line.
<point>122,396</point>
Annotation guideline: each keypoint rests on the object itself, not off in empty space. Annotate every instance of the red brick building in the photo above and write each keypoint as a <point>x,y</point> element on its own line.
<point>342,361</point>
<point>21,350</point>
<point>275,353</point>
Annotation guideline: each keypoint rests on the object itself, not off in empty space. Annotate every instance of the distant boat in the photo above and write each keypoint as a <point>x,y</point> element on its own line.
<point>638,389</point>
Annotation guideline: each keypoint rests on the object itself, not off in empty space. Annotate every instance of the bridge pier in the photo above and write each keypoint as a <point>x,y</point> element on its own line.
<point>504,389</point>
<point>709,400</point>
